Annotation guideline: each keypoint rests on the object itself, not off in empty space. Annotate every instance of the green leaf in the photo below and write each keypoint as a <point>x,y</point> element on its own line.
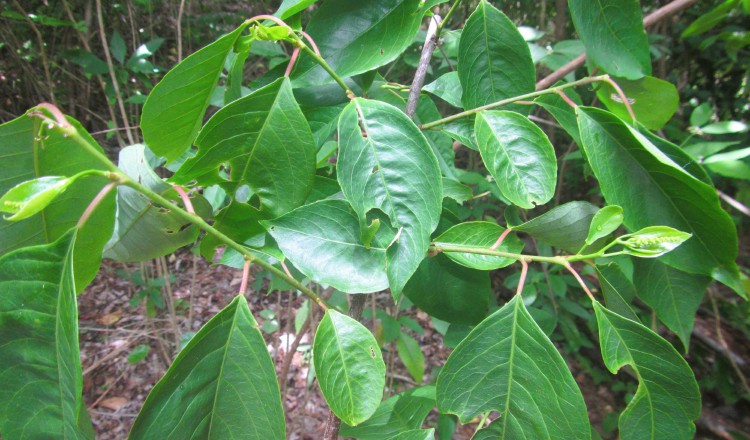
<point>699,150</point>
<point>456,190</point>
<point>349,367</point>
<point>726,127</point>
<point>356,37</point>
<point>449,292</point>
<point>416,434</point>
<point>28,153</point>
<point>117,46</point>
<point>674,295</point>
<point>654,101</point>
<point>448,88</point>
<point>562,111</point>
<point>519,156</point>
<point>41,368</point>
<point>31,197</point>
<point>462,131</point>
<point>653,190</point>
<point>289,8</point>
<point>735,169</point>
<point>268,144</point>
<point>605,222</point>
<point>494,61</point>
<point>180,99</point>
<point>385,163</point>
<point>498,366</point>
<point>618,291</point>
<point>222,385</point>
<point>710,19</point>
<point>613,33</point>
<point>401,413</point>
<point>667,399</point>
<point>138,354</point>
<point>144,231</point>
<point>565,226</point>
<point>322,240</point>
<point>701,115</point>
<point>479,235</point>
<point>679,156</point>
<point>411,355</point>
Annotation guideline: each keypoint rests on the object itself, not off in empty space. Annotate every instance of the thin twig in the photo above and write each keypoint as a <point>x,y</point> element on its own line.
<point>245,276</point>
<point>723,342</point>
<point>424,63</point>
<point>95,203</point>
<point>580,281</point>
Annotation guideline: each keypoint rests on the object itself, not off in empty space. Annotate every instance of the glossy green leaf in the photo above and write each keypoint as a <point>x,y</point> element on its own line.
<point>735,169</point>
<point>494,61</point>
<point>180,99</point>
<point>27,154</point>
<point>742,153</point>
<point>323,241</point>
<point>268,144</point>
<point>702,115</point>
<point>401,413</point>
<point>221,385</point>
<point>618,291</point>
<point>31,197</point>
<point>563,113</point>
<point>654,101</point>
<point>667,400</point>
<point>143,230</point>
<point>349,367</point>
<point>613,33</point>
<point>385,163</point>
<point>605,222</point>
<point>565,226</point>
<point>289,8</point>
<point>519,156</point>
<point>679,156</point>
<point>448,88</point>
<point>41,365</point>
<point>652,241</point>
<point>498,366</point>
<point>449,292</point>
<point>356,37</point>
<point>674,295</point>
<point>411,355</point>
<point>479,235</point>
<point>653,190</point>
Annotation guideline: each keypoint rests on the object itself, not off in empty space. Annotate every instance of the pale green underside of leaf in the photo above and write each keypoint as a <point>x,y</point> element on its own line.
<point>518,155</point>
<point>494,61</point>
<point>358,36</point>
<point>393,169</point>
<point>654,101</point>
<point>480,235</point>
<point>508,364</point>
<point>667,400</point>
<point>144,231</point>
<point>173,112</point>
<point>222,385</point>
<point>613,33</point>
<point>653,190</point>
<point>23,160</point>
<point>401,413</point>
<point>267,141</point>
<point>40,372</point>
<point>674,295</point>
<point>349,367</point>
<point>322,240</point>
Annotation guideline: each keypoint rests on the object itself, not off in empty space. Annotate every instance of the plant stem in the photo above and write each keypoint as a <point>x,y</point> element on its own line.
<point>424,62</point>
<point>318,59</point>
<point>120,177</point>
<point>581,82</point>
<point>561,260</point>
<point>448,16</point>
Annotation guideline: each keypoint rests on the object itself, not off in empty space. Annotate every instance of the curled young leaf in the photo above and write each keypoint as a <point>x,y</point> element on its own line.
<point>32,196</point>
<point>605,222</point>
<point>653,241</point>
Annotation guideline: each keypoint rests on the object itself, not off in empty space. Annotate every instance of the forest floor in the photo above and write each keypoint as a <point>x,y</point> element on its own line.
<point>115,388</point>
